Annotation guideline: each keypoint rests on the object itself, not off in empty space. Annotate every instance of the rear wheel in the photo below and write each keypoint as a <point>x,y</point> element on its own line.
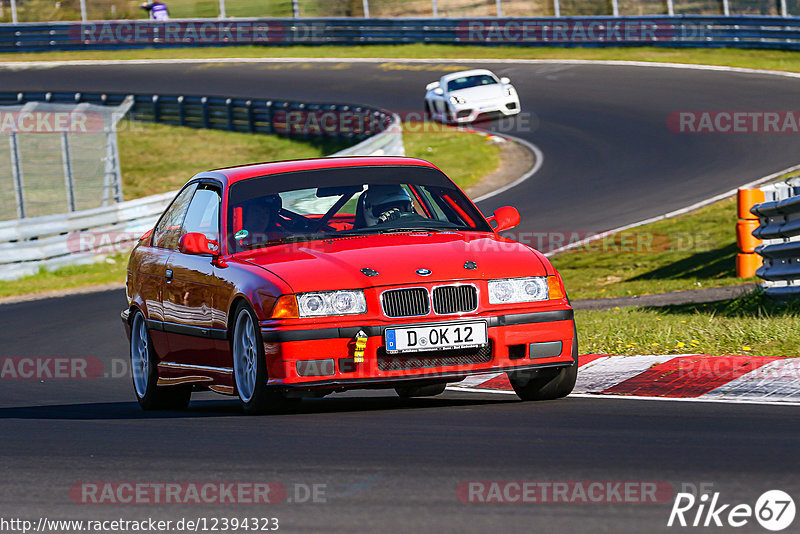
<point>428,390</point>
<point>547,384</point>
<point>145,373</point>
<point>250,365</point>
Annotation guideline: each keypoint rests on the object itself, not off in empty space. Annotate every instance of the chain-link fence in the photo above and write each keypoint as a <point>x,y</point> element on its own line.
<point>53,10</point>
<point>58,158</point>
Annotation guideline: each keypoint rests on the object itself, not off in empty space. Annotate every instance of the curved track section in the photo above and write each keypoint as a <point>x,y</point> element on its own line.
<point>610,158</point>
<point>388,465</point>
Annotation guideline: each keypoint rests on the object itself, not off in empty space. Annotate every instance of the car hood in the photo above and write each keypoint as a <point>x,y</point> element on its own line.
<point>481,92</point>
<point>338,263</point>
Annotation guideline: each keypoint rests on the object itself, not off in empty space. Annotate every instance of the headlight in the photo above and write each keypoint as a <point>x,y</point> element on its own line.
<point>512,290</point>
<point>509,91</point>
<point>331,303</point>
<point>457,100</point>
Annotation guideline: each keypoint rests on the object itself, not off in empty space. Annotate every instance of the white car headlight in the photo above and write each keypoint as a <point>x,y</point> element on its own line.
<point>457,100</point>
<point>511,290</point>
<point>331,303</point>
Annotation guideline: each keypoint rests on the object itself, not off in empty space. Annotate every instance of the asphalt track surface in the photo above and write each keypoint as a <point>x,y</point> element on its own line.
<point>390,465</point>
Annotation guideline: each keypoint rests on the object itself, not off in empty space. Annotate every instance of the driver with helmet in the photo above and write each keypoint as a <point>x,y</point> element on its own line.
<point>385,203</point>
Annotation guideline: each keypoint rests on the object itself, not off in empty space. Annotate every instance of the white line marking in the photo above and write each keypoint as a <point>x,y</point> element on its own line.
<point>675,213</point>
<point>637,398</point>
<point>537,164</point>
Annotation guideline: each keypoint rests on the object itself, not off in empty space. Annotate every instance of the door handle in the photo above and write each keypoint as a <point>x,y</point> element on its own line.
<point>168,274</point>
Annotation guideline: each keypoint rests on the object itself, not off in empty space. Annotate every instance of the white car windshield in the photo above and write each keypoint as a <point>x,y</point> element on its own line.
<point>466,82</point>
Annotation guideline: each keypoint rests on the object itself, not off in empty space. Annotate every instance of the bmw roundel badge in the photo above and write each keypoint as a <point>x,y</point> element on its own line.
<point>423,272</point>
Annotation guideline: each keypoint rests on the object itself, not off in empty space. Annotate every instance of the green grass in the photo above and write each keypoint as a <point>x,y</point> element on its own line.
<point>109,271</point>
<point>157,158</point>
<point>759,59</point>
<point>691,251</point>
<point>149,168</point>
<point>464,157</point>
<point>753,324</point>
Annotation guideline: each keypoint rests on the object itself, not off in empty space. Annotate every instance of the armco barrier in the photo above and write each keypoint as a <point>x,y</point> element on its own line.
<point>779,228</point>
<point>668,31</point>
<point>27,245</point>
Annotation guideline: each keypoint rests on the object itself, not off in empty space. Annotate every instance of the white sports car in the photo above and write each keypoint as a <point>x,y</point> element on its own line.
<point>464,96</point>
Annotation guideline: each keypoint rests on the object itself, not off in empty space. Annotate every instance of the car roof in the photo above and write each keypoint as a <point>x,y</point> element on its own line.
<point>473,72</point>
<point>245,172</point>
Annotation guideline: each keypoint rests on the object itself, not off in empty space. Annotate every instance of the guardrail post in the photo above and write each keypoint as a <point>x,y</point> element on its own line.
<point>84,18</point>
<point>14,18</point>
<point>181,111</point>
<point>69,182</point>
<point>726,8</point>
<point>670,7</point>
<point>434,7</point>
<point>229,109</point>
<point>206,118</point>
<point>556,8</point>
<point>251,120</point>
<point>270,126</point>
<point>16,171</point>
<point>222,14</point>
<point>365,3</point>
<point>499,8</point>
<point>784,9</point>
<point>615,8</point>
<point>296,9</point>
<point>747,261</point>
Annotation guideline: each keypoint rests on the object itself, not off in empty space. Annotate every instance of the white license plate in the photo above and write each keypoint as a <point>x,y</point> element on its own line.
<point>436,337</point>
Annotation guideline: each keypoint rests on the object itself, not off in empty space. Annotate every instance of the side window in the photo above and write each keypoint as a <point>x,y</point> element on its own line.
<point>203,213</point>
<point>168,231</point>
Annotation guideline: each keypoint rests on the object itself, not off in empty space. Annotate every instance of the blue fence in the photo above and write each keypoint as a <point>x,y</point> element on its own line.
<point>342,122</point>
<point>665,31</point>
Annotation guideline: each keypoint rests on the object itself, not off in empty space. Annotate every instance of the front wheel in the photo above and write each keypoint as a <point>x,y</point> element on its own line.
<point>144,370</point>
<point>547,384</point>
<point>250,365</point>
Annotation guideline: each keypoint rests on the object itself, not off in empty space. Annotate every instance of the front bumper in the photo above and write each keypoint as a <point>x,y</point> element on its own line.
<point>324,357</point>
<point>471,111</point>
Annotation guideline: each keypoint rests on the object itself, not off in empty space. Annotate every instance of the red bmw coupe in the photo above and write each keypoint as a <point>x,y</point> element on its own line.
<point>302,278</point>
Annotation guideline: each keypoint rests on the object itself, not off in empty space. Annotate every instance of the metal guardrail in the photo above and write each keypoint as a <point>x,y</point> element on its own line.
<point>779,228</point>
<point>81,237</point>
<point>653,30</point>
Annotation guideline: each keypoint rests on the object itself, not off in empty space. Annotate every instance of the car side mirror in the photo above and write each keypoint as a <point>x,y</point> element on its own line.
<point>438,91</point>
<point>505,80</point>
<point>198,244</point>
<point>505,218</point>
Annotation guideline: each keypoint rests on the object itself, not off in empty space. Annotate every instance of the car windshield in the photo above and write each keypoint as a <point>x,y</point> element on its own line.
<point>466,82</point>
<point>340,202</point>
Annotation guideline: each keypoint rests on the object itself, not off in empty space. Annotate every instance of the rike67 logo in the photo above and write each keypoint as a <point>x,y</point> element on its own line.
<point>774,510</point>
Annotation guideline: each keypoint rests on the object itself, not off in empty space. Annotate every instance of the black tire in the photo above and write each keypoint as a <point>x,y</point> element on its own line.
<point>144,372</point>
<point>428,115</point>
<point>547,384</point>
<point>428,390</point>
<point>255,396</point>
